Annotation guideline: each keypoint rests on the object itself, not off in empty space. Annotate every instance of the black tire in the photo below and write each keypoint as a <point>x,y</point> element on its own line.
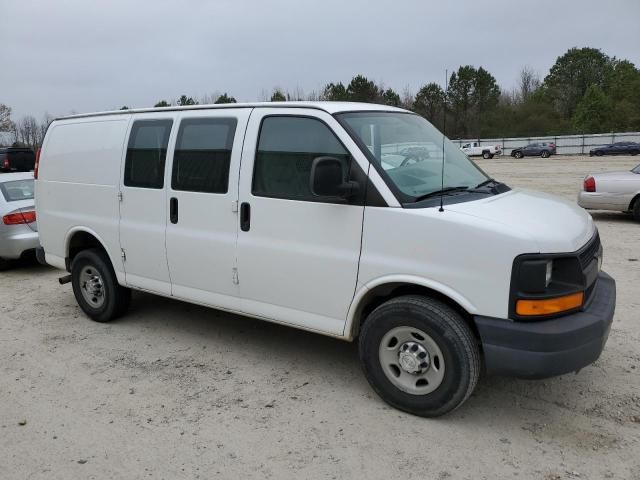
<point>486,155</point>
<point>116,298</point>
<point>598,153</point>
<point>636,210</point>
<point>518,155</point>
<point>4,264</point>
<point>544,154</point>
<point>635,152</point>
<point>447,329</point>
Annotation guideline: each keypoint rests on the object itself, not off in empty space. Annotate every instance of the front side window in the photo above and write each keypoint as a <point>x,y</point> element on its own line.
<point>146,153</point>
<point>286,149</point>
<point>16,190</point>
<point>203,155</point>
<point>409,151</point>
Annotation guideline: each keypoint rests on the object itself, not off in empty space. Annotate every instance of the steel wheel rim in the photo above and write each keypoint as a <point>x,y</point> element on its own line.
<point>92,286</point>
<point>401,354</point>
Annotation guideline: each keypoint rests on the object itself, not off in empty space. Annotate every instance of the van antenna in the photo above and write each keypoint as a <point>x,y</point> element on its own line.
<point>444,128</point>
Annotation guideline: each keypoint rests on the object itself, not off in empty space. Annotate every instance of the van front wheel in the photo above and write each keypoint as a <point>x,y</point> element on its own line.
<point>96,288</point>
<point>419,355</point>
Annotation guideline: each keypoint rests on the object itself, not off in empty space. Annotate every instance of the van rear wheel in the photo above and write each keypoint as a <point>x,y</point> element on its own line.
<point>419,355</point>
<point>96,288</point>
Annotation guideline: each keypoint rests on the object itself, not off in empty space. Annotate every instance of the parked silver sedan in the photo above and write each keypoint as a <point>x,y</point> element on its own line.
<point>18,228</point>
<point>619,191</point>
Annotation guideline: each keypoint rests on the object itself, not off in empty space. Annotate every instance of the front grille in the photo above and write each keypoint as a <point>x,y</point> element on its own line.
<point>589,251</point>
<point>586,256</point>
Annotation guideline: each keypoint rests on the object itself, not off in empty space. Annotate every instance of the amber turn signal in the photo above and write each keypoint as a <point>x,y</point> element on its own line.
<point>549,306</point>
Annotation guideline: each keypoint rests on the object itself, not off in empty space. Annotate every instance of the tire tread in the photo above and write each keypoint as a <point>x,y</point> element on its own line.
<point>459,328</point>
<point>121,295</point>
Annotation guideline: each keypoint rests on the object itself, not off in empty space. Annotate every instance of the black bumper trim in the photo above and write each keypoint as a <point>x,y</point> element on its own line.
<point>549,347</point>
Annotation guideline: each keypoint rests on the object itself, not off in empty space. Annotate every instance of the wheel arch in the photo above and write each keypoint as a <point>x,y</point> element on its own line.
<point>83,238</point>
<point>375,293</point>
<point>633,201</point>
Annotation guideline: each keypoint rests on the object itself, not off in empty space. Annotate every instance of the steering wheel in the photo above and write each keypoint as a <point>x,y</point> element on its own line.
<point>412,156</point>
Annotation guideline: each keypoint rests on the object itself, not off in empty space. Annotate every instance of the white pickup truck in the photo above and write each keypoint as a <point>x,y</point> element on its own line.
<point>474,149</point>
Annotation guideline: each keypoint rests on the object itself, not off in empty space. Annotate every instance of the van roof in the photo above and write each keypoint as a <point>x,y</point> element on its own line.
<point>329,107</point>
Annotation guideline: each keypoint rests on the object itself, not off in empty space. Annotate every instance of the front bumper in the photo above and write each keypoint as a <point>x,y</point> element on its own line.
<point>551,347</point>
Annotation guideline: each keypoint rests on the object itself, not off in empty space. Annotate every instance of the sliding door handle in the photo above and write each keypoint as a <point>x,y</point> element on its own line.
<point>173,210</point>
<point>245,216</point>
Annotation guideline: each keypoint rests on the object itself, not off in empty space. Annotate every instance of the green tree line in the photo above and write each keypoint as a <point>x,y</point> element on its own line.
<point>585,91</point>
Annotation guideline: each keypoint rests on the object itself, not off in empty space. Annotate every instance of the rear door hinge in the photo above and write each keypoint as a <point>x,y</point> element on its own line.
<point>123,255</point>
<point>234,272</point>
<point>119,196</point>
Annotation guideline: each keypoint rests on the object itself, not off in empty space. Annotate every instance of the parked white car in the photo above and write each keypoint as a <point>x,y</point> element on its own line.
<point>474,149</point>
<point>18,227</point>
<point>618,191</point>
<point>329,217</point>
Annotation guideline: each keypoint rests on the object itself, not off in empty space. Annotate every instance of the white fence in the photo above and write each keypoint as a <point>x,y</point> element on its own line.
<point>565,144</point>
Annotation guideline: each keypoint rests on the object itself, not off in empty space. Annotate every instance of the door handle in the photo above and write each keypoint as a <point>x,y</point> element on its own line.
<point>245,216</point>
<point>173,210</point>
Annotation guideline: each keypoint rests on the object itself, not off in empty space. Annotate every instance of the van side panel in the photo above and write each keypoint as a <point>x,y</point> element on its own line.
<point>77,184</point>
<point>449,252</point>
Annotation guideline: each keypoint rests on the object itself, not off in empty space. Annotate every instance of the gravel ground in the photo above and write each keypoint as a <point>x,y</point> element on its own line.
<point>178,391</point>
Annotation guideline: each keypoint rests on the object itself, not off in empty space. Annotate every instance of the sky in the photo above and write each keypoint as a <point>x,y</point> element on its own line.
<point>62,56</point>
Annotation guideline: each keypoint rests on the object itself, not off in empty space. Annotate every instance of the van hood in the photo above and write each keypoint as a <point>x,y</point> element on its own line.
<point>555,224</point>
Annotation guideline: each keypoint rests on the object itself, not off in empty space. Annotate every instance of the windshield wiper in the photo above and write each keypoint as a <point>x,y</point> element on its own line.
<point>490,186</point>
<point>486,182</point>
<point>444,191</point>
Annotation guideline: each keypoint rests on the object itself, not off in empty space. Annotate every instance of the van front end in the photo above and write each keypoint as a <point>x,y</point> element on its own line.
<point>561,307</point>
<point>560,304</point>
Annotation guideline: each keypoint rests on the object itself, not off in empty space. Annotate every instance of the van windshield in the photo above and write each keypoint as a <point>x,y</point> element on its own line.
<point>408,151</point>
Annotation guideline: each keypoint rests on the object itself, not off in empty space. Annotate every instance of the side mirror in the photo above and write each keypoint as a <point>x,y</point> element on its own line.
<point>329,179</point>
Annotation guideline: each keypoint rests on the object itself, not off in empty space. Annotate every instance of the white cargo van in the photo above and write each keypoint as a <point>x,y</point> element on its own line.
<point>334,218</point>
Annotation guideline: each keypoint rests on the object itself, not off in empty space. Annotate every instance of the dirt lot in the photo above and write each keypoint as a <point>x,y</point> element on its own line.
<point>177,391</point>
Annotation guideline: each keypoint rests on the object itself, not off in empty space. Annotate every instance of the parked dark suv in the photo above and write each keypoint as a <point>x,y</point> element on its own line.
<point>16,159</point>
<point>539,149</point>
<point>619,148</point>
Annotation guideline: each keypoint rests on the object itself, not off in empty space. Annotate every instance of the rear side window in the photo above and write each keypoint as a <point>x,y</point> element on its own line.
<point>17,190</point>
<point>146,153</point>
<point>286,149</point>
<point>203,154</point>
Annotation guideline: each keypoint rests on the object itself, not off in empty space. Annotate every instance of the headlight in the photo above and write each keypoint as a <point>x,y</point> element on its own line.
<point>534,275</point>
<point>545,285</point>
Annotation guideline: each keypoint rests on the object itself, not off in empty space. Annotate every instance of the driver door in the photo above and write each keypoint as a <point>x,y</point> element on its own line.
<point>531,149</point>
<point>297,254</point>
